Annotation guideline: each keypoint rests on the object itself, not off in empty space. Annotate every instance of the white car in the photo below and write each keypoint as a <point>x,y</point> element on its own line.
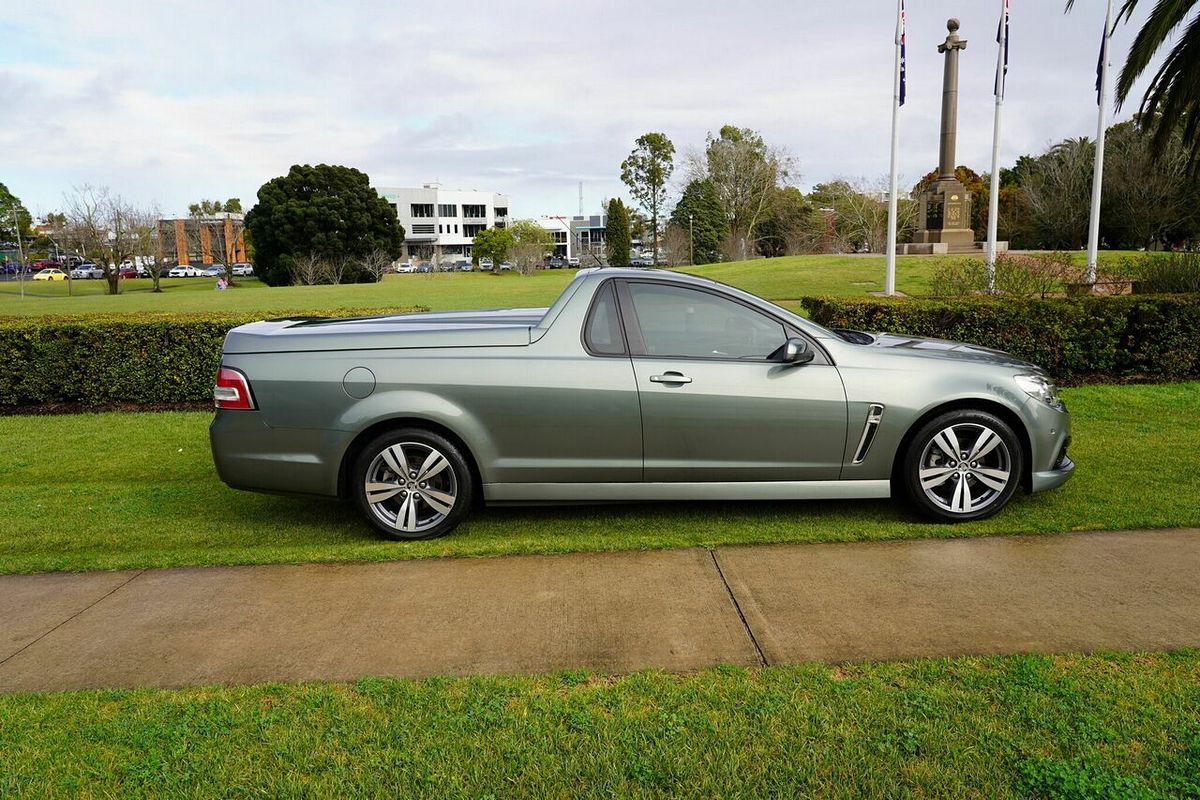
<point>406,267</point>
<point>185,271</point>
<point>87,272</point>
<point>243,270</point>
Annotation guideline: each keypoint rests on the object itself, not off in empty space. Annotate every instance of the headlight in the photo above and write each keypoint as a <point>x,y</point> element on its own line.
<point>1039,388</point>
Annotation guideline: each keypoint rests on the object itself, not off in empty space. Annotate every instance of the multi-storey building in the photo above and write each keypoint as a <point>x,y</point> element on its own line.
<point>439,224</point>
<point>218,238</point>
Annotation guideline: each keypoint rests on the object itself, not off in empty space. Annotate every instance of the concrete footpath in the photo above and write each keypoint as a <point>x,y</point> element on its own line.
<point>677,610</point>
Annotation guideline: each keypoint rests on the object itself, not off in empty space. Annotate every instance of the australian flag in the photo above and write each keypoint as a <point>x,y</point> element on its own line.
<point>903,59</point>
<point>1002,37</point>
<point>1100,62</point>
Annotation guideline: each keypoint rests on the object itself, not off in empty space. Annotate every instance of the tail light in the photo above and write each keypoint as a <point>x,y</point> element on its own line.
<point>232,391</point>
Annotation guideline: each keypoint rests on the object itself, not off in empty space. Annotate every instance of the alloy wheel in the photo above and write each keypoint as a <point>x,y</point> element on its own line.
<point>411,487</point>
<point>965,468</point>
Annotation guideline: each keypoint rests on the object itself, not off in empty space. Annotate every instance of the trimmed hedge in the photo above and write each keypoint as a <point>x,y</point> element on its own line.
<point>123,358</point>
<point>1132,336</point>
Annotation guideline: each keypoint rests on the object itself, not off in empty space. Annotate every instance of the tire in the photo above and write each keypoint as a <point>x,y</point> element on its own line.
<point>945,487</point>
<point>406,506</point>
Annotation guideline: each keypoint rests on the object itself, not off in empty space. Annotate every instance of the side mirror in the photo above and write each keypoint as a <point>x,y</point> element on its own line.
<point>796,351</point>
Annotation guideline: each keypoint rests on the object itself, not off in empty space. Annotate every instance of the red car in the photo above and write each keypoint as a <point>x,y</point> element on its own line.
<point>45,263</point>
<point>127,272</point>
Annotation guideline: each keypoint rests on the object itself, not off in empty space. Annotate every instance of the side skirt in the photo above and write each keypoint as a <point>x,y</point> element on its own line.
<point>733,490</point>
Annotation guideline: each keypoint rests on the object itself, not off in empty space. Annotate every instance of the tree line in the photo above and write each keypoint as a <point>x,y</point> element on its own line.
<point>737,199</point>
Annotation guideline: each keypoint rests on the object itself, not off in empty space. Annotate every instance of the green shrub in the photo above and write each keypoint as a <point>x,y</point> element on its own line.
<point>147,358</point>
<point>1130,336</point>
<point>1017,275</point>
<point>1162,274</point>
<point>958,277</point>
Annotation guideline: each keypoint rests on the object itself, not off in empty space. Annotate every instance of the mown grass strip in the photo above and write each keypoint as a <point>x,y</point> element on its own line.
<point>1111,725</point>
<point>131,490</point>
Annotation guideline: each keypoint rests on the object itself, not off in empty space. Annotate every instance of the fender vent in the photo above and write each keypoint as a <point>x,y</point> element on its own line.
<point>874,417</point>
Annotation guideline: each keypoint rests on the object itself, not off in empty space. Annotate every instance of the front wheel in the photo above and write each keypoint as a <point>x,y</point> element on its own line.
<point>412,484</point>
<point>963,465</point>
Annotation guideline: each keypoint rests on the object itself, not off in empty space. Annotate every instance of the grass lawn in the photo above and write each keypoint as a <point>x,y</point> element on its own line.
<point>1101,726</point>
<point>122,490</point>
<point>780,279</point>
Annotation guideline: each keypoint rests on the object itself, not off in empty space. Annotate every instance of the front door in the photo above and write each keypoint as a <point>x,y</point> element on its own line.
<point>715,405</point>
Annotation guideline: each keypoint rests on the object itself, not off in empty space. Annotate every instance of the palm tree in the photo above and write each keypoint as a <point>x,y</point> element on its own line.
<point>1172,101</point>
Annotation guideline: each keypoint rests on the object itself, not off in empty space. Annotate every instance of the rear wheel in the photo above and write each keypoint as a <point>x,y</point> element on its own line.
<point>412,484</point>
<point>963,465</point>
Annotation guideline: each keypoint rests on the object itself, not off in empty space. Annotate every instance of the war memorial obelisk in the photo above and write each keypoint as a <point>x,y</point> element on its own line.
<point>946,205</point>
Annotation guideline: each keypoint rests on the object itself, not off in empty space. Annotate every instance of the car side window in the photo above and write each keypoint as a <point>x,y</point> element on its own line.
<point>602,332</point>
<point>687,323</point>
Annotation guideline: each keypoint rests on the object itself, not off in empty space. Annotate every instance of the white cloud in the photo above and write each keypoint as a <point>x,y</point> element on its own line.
<point>172,102</point>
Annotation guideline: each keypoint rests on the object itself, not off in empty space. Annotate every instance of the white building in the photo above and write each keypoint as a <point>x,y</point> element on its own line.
<point>559,229</point>
<point>439,224</point>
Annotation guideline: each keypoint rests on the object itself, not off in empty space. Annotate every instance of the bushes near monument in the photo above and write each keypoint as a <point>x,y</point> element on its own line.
<point>96,360</point>
<point>1107,338</point>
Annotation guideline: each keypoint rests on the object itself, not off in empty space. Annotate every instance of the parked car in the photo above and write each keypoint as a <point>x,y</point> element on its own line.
<point>50,274</point>
<point>87,271</point>
<point>185,271</point>
<point>556,262</point>
<point>46,263</point>
<point>462,266</point>
<point>406,267</point>
<point>485,263</point>
<point>690,389</point>
<point>573,261</point>
<point>213,272</point>
<point>127,271</point>
<point>243,270</point>
<point>424,267</point>
<point>505,266</point>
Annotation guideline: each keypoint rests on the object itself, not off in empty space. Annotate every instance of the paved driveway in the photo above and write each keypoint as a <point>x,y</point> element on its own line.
<point>678,610</point>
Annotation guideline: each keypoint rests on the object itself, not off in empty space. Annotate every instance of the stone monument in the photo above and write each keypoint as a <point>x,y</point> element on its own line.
<point>946,205</point>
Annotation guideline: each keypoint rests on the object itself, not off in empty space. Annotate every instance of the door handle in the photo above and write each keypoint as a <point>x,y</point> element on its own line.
<point>670,377</point>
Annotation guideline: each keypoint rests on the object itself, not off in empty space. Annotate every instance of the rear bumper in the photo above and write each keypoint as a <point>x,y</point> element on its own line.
<point>253,456</point>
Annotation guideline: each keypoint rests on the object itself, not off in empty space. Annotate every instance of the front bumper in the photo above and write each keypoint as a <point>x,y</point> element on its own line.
<point>1053,478</point>
<point>1050,439</point>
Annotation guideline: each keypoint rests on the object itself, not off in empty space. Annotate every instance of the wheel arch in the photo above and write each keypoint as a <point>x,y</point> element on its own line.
<point>394,423</point>
<point>971,404</point>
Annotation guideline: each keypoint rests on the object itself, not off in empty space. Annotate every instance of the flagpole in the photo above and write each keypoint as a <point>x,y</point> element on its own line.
<point>1098,172</point>
<point>994,191</point>
<point>889,279</point>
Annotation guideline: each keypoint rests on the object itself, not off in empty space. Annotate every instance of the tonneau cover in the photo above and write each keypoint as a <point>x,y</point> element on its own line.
<point>500,328</point>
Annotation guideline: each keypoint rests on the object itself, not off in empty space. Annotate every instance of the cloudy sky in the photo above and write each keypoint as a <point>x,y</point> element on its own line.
<point>170,102</point>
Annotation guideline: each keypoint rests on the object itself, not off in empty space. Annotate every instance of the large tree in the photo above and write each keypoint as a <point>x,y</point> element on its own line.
<point>493,243</point>
<point>744,169</point>
<point>12,216</point>
<point>646,172</point>
<point>1149,200</point>
<point>699,213</point>
<point>617,238</point>
<point>106,228</point>
<point>1057,192</point>
<point>329,211</point>
<point>1172,100</point>
<point>531,244</point>
<point>786,224</point>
